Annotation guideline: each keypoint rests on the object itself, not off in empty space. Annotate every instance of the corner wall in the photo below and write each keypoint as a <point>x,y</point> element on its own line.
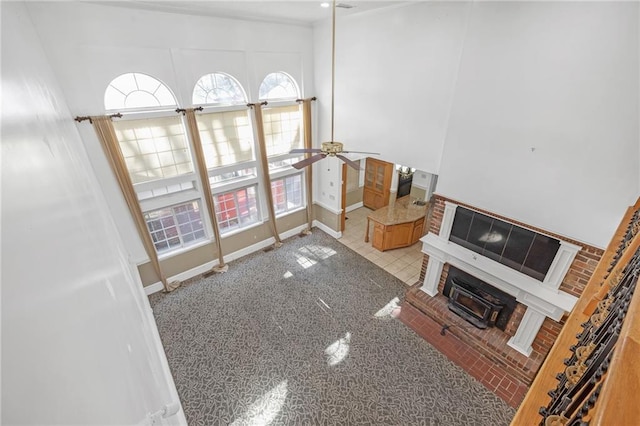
<point>79,343</point>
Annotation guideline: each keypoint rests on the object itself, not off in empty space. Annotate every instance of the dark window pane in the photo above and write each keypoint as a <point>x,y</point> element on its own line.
<point>167,221</point>
<point>158,236</point>
<point>496,239</point>
<point>542,253</point>
<point>171,232</point>
<point>182,217</point>
<point>517,247</point>
<point>479,232</point>
<point>461,223</point>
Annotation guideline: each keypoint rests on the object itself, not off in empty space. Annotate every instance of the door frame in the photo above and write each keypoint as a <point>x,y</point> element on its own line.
<point>343,198</point>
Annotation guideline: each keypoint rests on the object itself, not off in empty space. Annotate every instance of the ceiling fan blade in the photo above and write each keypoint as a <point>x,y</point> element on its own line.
<point>308,161</point>
<point>361,152</point>
<point>304,151</point>
<point>349,162</point>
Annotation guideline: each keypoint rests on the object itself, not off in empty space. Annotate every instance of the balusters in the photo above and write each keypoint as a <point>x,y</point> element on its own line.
<point>580,383</point>
<point>631,231</point>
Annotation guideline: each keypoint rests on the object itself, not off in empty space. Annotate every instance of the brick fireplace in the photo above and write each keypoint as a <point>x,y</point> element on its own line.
<point>512,356</point>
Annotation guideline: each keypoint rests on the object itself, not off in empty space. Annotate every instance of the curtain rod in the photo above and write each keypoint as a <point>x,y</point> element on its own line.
<point>82,118</point>
<point>250,105</point>
<point>182,110</point>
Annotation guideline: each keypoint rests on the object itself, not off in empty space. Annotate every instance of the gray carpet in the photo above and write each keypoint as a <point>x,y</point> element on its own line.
<point>295,336</point>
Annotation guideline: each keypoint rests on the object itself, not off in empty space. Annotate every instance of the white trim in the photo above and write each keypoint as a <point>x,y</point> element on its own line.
<point>447,220</point>
<point>352,207</point>
<point>561,264</point>
<point>526,289</point>
<point>149,113</point>
<point>212,109</point>
<point>526,333</point>
<point>325,228</point>
<point>329,208</point>
<point>183,276</point>
<point>557,270</point>
<point>432,276</point>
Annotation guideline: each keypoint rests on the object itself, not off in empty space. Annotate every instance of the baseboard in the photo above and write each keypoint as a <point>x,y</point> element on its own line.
<point>153,288</point>
<point>325,228</point>
<point>354,206</point>
<point>201,269</point>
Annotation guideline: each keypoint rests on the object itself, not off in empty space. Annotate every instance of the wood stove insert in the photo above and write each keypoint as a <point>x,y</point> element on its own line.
<point>476,301</point>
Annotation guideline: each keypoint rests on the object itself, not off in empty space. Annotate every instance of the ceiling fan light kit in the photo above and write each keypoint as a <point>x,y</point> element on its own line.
<point>331,148</point>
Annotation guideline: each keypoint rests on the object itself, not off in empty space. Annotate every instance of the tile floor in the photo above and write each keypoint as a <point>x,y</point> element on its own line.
<point>404,263</point>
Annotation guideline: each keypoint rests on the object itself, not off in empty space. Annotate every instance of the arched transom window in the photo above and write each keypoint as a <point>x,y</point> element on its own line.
<point>135,90</point>
<point>219,89</point>
<point>278,86</point>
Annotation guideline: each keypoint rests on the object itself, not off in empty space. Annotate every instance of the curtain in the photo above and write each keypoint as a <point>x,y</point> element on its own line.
<point>306,119</point>
<point>192,125</point>
<point>107,136</point>
<point>257,110</point>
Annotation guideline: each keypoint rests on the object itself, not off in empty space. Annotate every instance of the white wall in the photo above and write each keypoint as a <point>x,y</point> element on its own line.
<point>465,90</point>
<point>395,74</point>
<point>79,344</point>
<point>544,125</point>
<point>100,42</point>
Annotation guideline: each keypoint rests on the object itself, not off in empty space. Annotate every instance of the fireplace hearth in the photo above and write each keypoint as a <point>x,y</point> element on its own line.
<point>476,301</point>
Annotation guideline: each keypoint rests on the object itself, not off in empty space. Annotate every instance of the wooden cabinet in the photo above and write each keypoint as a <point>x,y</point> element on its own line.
<point>418,230</point>
<point>389,237</point>
<point>377,182</point>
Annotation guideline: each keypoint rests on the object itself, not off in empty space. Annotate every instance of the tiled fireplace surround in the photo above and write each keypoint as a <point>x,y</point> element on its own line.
<point>505,361</point>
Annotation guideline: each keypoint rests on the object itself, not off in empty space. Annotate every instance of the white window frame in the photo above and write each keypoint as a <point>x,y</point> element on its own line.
<point>303,193</point>
<point>174,198</point>
<point>183,247</point>
<point>218,188</point>
<point>227,233</point>
<point>285,171</point>
<point>243,92</point>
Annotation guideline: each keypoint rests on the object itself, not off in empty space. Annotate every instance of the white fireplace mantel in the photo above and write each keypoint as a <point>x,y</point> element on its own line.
<point>542,298</point>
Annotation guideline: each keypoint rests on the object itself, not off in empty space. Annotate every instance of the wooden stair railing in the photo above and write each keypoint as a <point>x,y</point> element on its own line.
<point>591,375</point>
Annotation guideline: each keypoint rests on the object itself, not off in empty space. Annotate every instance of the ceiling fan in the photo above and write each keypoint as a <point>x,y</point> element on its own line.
<point>332,148</point>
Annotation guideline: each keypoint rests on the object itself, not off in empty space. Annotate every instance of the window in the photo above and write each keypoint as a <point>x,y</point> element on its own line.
<point>218,89</point>
<point>154,148</point>
<point>278,86</point>
<point>229,151</point>
<point>282,133</point>
<point>227,138</point>
<point>236,209</point>
<point>158,158</point>
<point>138,91</point>
<point>176,226</point>
<point>287,193</point>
